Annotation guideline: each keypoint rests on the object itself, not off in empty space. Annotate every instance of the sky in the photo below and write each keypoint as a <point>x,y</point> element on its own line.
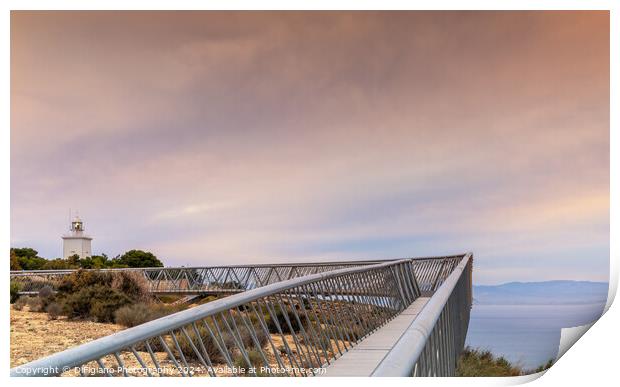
<point>255,137</point>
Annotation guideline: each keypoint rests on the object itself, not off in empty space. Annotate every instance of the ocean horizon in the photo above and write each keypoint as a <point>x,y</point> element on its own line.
<point>528,333</point>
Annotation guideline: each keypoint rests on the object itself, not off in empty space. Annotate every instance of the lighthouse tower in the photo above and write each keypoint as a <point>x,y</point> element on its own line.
<point>76,242</point>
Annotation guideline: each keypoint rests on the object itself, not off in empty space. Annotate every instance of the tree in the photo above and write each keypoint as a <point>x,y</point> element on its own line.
<point>27,258</point>
<point>15,261</point>
<point>139,258</point>
<point>73,260</point>
<point>25,252</point>
<point>57,264</point>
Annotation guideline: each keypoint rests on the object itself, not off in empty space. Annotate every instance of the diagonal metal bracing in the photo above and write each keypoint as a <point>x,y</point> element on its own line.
<point>191,280</point>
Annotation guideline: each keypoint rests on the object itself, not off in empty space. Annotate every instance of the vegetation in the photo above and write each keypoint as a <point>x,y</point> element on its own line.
<point>14,291</point>
<point>256,361</point>
<point>89,295</point>
<point>96,301</point>
<point>141,312</point>
<point>27,259</point>
<point>280,319</point>
<point>477,362</point>
<point>54,310</point>
<point>139,258</point>
<point>20,303</point>
<point>543,367</point>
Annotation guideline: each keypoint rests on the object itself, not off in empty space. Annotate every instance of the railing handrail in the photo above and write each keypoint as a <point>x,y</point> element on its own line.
<point>401,359</point>
<point>75,356</point>
<point>257,265</point>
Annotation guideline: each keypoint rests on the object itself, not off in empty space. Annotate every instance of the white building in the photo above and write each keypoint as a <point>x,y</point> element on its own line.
<point>76,242</point>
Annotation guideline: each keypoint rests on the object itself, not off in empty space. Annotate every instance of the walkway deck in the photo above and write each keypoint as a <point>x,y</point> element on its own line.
<point>362,359</point>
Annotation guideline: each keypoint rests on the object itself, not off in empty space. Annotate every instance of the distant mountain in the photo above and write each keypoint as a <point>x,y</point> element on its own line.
<point>540,293</point>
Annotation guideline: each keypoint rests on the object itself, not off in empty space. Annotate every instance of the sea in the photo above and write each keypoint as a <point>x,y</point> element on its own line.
<point>526,335</point>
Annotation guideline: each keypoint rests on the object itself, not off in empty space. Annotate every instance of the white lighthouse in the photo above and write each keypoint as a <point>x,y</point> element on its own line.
<point>76,242</point>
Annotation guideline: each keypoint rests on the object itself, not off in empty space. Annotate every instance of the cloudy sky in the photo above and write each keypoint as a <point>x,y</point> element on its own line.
<point>214,137</point>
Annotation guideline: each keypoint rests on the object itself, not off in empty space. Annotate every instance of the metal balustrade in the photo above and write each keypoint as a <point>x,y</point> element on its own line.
<point>293,327</point>
<point>432,344</point>
<point>192,280</point>
<point>229,279</point>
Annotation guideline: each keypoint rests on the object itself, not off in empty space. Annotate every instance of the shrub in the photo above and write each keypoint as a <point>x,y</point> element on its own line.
<point>20,303</point>
<point>96,301</point>
<point>46,292</point>
<point>246,335</point>
<point>209,344</point>
<point>98,295</point>
<point>35,304</point>
<point>131,283</point>
<point>139,313</point>
<point>132,315</point>
<point>281,320</point>
<point>476,362</point>
<point>256,360</point>
<point>54,310</point>
<point>46,295</point>
<point>82,278</point>
<point>58,264</point>
<point>15,288</point>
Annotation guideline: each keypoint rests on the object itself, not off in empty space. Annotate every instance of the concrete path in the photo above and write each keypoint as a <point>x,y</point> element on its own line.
<point>362,359</point>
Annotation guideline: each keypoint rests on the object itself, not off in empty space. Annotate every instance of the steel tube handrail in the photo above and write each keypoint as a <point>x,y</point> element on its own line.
<point>96,349</point>
<point>402,358</point>
<point>230,278</point>
<point>257,265</point>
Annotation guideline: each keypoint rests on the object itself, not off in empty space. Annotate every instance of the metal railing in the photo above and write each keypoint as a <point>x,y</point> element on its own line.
<point>231,279</point>
<point>433,342</point>
<point>192,280</point>
<point>293,327</point>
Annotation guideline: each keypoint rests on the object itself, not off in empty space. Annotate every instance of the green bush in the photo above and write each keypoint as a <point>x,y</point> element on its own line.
<point>210,344</point>
<point>96,301</point>
<point>281,320</point>
<point>256,360</point>
<point>15,288</point>
<point>58,264</point>
<point>207,341</point>
<point>82,278</point>
<point>246,335</point>
<point>139,313</point>
<point>477,362</point>
<point>132,284</point>
<point>132,315</point>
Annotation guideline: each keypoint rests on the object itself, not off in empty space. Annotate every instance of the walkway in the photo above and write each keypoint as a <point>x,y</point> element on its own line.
<point>362,359</point>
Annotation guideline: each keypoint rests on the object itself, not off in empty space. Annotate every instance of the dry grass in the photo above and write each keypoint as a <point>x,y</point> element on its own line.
<point>34,335</point>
